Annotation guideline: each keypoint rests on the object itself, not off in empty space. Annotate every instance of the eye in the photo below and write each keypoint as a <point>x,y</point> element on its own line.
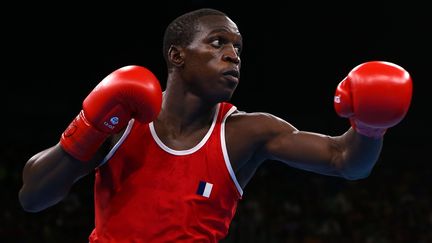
<point>218,42</point>
<point>238,49</point>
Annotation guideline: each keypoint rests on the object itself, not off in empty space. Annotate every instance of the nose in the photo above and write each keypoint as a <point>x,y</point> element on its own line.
<point>231,55</point>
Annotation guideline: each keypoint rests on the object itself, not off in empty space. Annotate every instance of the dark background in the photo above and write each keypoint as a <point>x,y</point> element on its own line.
<point>294,56</point>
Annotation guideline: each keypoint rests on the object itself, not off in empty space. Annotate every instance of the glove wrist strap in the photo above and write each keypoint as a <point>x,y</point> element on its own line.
<point>372,132</point>
<point>80,139</point>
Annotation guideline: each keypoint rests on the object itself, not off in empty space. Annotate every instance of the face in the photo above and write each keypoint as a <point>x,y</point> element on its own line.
<point>212,61</point>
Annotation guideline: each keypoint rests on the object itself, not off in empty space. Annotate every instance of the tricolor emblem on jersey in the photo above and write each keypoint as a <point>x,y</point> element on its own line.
<point>204,189</point>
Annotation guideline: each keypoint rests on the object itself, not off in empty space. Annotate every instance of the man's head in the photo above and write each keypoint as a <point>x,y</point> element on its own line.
<point>202,50</point>
<point>181,31</point>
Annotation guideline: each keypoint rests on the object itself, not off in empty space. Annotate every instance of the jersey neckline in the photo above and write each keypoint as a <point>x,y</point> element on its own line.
<point>185,151</point>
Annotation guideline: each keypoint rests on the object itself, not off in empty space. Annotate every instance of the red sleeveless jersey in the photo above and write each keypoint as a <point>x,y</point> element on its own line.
<point>148,192</point>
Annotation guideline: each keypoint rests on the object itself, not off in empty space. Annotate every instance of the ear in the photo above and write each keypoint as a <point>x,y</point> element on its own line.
<point>176,55</point>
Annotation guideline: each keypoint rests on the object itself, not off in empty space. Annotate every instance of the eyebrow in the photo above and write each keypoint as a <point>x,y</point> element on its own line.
<point>222,29</point>
<point>225,30</point>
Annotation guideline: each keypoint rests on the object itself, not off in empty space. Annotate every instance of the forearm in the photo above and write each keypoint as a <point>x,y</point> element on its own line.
<point>359,154</point>
<point>48,177</point>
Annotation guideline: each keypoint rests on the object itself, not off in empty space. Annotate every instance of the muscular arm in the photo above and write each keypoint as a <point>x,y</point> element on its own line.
<point>267,137</point>
<point>374,96</point>
<point>48,176</point>
<point>350,155</point>
<point>128,92</point>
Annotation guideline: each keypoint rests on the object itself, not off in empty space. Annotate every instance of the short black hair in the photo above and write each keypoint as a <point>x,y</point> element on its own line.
<point>181,30</point>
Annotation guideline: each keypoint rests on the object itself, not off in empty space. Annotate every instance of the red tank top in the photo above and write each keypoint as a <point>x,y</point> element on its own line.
<point>148,192</point>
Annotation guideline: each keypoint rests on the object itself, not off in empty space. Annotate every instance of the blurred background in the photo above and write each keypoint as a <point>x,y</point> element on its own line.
<point>294,56</point>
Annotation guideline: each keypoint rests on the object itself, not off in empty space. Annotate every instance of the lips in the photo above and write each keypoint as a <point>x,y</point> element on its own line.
<point>235,73</point>
<point>232,76</point>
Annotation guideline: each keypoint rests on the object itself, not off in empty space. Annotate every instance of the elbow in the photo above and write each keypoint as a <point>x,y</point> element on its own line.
<point>30,208</point>
<point>355,175</point>
<point>29,203</point>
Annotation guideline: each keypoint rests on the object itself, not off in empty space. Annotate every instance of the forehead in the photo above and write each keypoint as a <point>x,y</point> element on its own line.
<point>217,23</point>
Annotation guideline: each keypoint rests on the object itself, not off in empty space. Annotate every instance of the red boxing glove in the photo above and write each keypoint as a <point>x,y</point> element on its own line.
<point>374,96</point>
<point>128,92</point>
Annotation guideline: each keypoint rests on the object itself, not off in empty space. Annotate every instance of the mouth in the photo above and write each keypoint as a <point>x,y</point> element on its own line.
<point>232,75</point>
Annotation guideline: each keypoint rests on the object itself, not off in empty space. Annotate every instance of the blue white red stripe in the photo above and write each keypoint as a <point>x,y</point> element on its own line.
<point>204,189</point>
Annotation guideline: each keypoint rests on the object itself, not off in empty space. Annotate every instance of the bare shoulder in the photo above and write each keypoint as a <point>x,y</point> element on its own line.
<point>246,135</point>
<point>258,123</point>
<point>251,130</point>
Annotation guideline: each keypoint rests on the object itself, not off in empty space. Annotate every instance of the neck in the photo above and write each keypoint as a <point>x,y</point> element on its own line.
<point>183,110</point>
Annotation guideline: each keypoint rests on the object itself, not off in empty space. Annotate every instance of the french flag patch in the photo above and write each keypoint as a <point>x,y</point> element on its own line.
<point>204,189</point>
